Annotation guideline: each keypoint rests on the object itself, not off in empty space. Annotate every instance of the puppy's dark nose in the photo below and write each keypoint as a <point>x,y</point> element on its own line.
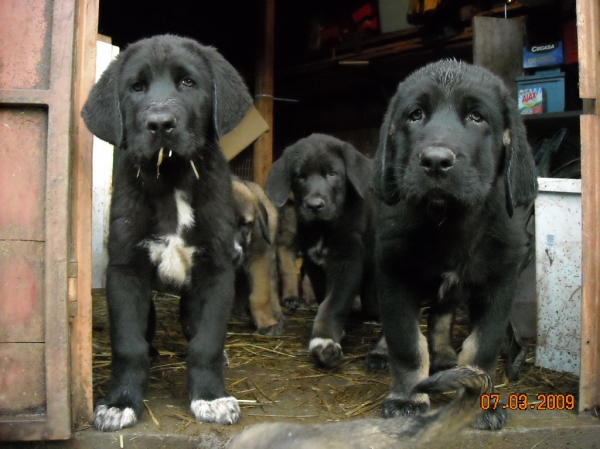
<point>161,122</point>
<point>437,160</point>
<point>315,204</point>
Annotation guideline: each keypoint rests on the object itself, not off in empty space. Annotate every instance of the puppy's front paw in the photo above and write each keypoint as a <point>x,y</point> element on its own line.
<point>221,411</point>
<point>393,408</point>
<point>491,419</point>
<point>326,351</point>
<point>109,419</point>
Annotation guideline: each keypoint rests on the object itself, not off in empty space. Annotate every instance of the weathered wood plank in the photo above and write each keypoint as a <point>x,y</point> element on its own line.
<point>498,46</point>
<point>21,291</point>
<point>23,173</point>
<point>588,41</point>
<point>80,275</point>
<point>589,387</point>
<point>22,379</point>
<point>263,147</point>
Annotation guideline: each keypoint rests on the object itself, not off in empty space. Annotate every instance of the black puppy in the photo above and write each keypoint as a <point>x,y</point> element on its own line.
<point>165,101</point>
<point>452,164</point>
<point>335,210</point>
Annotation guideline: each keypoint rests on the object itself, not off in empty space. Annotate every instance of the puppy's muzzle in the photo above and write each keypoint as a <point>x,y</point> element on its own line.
<point>437,160</point>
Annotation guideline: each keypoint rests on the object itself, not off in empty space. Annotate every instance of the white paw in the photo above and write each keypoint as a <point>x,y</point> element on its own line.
<point>327,351</point>
<point>109,419</point>
<point>221,410</point>
<point>322,342</point>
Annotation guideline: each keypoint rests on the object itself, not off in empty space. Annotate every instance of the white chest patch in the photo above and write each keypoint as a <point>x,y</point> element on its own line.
<point>170,253</point>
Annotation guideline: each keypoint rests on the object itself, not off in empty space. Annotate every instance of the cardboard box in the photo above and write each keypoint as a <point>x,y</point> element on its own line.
<point>531,101</point>
<point>552,83</point>
<point>543,55</point>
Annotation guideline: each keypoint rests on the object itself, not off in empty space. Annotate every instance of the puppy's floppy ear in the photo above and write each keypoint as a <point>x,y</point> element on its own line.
<point>279,182</point>
<point>263,220</point>
<point>231,99</point>
<point>359,168</point>
<point>520,180</point>
<point>101,112</point>
<point>384,180</point>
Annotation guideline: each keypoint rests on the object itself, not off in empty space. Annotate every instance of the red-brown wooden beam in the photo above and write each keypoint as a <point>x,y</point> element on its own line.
<point>263,147</point>
<point>588,36</point>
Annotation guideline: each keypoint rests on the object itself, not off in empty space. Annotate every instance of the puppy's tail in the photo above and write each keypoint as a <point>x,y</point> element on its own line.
<point>470,383</point>
<point>411,432</point>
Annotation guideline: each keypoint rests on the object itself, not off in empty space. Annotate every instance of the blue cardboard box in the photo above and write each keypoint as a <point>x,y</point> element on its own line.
<point>552,83</point>
<point>543,55</point>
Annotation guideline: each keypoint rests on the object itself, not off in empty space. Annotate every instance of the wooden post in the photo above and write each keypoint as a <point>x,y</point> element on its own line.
<point>588,37</point>
<point>80,272</point>
<point>498,46</point>
<point>263,147</point>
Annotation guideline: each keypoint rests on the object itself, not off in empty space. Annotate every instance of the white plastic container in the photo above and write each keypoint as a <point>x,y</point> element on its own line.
<point>558,274</point>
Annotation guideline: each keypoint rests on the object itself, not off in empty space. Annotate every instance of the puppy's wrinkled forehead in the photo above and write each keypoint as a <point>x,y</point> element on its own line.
<point>317,158</point>
<point>164,58</point>
<point>452,83</point>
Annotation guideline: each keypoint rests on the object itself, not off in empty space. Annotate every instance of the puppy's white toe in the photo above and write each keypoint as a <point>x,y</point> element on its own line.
<point>327,351</point>
<point>109,419</point>
<point>221,411</point>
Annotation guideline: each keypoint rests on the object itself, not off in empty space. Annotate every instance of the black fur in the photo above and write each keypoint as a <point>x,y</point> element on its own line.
<point>452,165</point>
<point>335,208</point>
<point>173,94</point>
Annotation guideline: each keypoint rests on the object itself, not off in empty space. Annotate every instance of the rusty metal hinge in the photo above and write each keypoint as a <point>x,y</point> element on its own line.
<point>72,269</point>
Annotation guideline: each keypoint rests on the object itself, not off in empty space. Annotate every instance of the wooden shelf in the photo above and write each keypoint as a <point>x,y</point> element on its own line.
<point>552,116</point>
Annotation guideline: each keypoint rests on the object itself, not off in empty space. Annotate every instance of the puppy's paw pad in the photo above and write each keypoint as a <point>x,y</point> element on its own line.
<point>109,419</point>
<point>221,411</point>
<point>376,363</point>
<point>393,408</point>
<point>326,351</point>
<point>491,419</point>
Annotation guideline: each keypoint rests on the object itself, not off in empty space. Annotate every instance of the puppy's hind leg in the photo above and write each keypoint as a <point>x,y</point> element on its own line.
<point>260,297</point>
<point>286,260</point>
<point>129,303</point>
<point>377,359</point>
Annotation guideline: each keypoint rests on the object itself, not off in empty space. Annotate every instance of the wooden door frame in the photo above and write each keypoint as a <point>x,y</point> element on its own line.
<point>54,97</point>
<point>80,272</point>
<point>588,39</point>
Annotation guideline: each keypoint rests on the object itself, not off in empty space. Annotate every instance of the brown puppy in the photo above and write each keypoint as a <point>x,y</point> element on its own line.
<point>398,433</point>
<point>255,254</point>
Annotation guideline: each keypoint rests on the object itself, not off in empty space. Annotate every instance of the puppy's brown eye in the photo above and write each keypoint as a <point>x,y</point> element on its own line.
<point>188,82</point>
<point>415,115</point>
<point>138,86</point>
<point>476,116</point>
<point>331,173</point>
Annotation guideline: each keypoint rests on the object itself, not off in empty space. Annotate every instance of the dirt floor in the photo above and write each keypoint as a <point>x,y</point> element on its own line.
<point>275,380</point>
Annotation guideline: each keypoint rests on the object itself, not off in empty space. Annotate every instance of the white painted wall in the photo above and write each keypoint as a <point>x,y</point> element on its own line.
<point>102,182</point>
